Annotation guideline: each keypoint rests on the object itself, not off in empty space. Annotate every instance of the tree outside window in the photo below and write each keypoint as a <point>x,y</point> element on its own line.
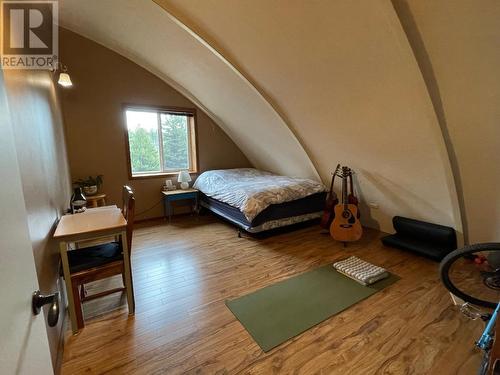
<point>160,141</point>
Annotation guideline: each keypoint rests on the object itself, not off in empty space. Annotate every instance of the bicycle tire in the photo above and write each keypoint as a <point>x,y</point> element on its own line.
<point>449,259</point>
<point>483,367</point>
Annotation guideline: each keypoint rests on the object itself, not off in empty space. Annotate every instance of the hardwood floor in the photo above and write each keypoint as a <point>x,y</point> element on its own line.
<point>184,272</point>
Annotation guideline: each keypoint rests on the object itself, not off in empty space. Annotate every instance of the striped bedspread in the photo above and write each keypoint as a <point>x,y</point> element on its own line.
<point>252,191</point>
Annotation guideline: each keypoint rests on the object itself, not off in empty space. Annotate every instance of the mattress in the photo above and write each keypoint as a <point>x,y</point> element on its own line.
<point>251,190</point>
<point>274,216</point>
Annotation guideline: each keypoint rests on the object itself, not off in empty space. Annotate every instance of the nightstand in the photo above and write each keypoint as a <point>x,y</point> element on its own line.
<point>176,195</point>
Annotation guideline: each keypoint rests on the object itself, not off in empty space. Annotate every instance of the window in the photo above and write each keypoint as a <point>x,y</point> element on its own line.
<point>160,141</point>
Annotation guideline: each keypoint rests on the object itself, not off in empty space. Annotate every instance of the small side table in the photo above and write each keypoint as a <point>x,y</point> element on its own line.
<point>96,200</point>
<point>176,195</point>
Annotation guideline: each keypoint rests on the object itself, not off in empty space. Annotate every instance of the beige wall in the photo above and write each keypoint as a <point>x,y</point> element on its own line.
<point>457,44</point>
<point>343,74</point>
<point>340,75</point>
<point>41,152</point>
<point>103,82</point>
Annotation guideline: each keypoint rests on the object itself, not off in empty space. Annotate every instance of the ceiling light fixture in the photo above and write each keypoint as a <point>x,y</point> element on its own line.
<point>64,78</point>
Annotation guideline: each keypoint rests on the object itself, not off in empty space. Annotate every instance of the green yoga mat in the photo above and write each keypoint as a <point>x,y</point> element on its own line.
<point>281,311</point>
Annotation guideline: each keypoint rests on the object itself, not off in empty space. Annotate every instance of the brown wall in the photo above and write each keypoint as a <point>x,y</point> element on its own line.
<point>41,153</point>
<point>103,82</point>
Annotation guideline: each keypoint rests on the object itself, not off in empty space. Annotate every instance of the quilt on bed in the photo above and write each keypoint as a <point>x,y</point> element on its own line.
<point>252,191</point>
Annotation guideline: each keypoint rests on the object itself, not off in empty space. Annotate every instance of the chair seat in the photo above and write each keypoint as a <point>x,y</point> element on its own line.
<point>94,256</point>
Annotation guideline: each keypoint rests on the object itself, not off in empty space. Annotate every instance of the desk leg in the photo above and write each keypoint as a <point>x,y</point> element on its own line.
<point>165,207</point>
<point>128,275</point>
<point>169,206</point>
<point>63,249</point>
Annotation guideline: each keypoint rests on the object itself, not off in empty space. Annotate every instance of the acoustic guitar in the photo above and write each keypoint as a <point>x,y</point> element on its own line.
<point>345,226</point>
<point>331,202</point>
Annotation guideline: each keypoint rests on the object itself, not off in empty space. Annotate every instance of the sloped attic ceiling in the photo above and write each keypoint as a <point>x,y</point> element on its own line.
<point>149,36</point>
<point>334,78</point>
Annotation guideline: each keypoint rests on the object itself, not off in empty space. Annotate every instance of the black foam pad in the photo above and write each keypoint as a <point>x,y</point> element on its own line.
<point>426,249</point>
<point>439,235</point>
<point>431,240</point>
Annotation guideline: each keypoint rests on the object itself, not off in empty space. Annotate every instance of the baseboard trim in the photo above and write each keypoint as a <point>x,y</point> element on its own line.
<point>155,218</point>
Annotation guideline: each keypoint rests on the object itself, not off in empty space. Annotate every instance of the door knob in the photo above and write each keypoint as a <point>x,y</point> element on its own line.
<point>38,300</point>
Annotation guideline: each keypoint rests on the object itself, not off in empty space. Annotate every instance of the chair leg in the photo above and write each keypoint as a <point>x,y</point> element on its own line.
<point>83,292</point>
<point>123,279</point>
<point>78,305</point>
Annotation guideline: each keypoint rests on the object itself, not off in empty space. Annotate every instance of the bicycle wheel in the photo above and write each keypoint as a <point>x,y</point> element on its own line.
<point>483,367</point>
<point>473,274</point>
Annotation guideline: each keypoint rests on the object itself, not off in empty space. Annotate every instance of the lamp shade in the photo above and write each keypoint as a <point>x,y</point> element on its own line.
<point>184,177</point>
<point>65,80</point>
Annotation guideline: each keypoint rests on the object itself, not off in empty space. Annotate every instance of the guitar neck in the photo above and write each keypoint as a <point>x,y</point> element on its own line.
<point>344,191</point>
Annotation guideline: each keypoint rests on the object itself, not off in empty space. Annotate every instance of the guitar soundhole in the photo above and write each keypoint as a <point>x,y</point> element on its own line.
<point>349,217</point>
<point>352,219</point>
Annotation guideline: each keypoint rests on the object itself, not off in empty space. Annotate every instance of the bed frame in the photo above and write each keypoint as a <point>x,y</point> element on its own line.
<point>274,216</point>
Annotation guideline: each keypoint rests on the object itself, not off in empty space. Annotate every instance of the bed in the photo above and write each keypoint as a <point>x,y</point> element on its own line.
<point>258,201</point>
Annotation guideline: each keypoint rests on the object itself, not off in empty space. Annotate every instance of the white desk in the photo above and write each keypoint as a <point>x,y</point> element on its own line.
<point>90,225</point>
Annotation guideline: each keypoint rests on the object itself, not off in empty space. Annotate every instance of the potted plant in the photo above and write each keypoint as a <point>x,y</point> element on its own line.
<point>90,185</point>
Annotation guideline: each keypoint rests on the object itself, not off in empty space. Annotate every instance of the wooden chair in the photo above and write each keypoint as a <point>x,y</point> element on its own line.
<point>100,261</point>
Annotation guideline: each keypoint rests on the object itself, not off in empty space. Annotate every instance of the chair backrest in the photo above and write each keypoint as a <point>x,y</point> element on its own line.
<point>128,210</point>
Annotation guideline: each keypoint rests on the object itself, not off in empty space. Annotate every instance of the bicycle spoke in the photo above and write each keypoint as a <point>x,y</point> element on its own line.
<point>473,274</point>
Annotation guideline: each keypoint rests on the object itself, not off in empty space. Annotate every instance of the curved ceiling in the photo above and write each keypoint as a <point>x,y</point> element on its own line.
<point>340,73</point>
<point>153,39</point>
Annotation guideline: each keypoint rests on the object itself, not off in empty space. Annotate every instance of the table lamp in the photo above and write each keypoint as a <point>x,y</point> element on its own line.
<point>184,178</point>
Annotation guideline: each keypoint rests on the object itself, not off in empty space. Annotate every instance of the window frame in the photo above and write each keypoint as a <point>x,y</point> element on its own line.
<point>192,138</point>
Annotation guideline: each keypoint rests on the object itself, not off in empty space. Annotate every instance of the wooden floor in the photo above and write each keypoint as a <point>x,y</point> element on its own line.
<point>183,273</point>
